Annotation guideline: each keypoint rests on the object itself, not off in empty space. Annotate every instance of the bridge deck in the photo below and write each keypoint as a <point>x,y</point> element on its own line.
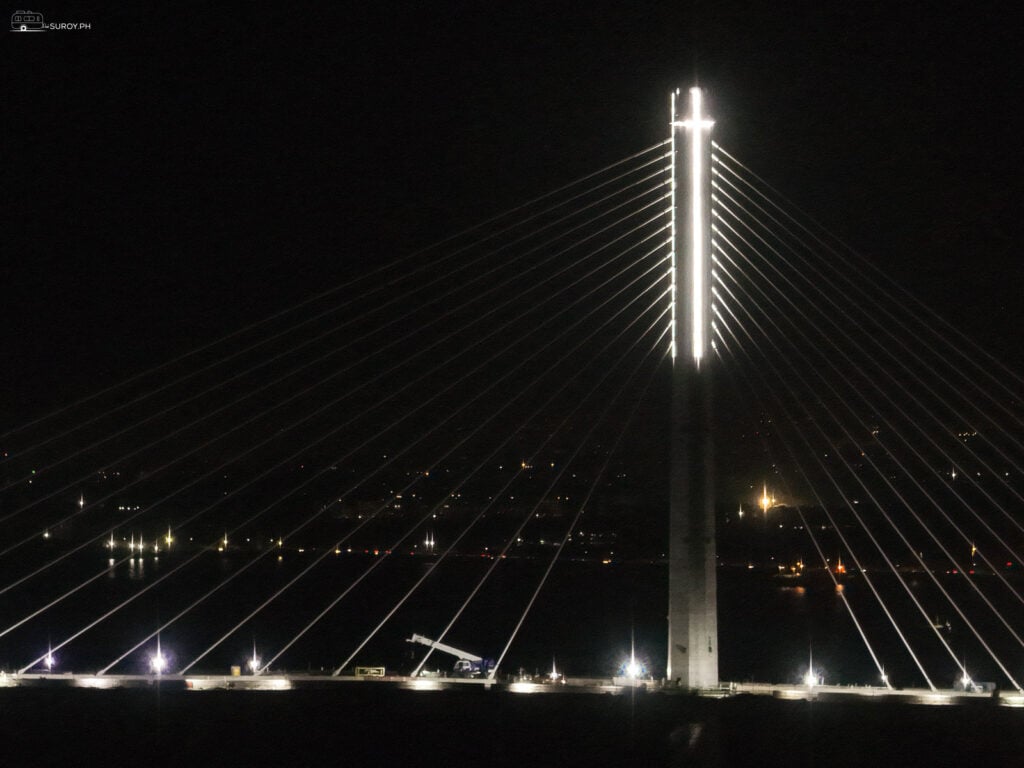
<point>283,682</point>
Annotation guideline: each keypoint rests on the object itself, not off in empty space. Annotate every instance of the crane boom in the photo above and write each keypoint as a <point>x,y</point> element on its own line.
<point>458,653</point>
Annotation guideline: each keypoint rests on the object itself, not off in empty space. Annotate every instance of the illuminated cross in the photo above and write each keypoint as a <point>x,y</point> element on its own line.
<point>696,125</point>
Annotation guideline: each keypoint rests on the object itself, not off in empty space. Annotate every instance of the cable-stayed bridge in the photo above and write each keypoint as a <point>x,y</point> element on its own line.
<point>482,442</point>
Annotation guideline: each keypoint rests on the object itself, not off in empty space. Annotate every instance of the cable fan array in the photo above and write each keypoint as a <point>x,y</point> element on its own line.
<point>894,439</point>
<point>325,473</point>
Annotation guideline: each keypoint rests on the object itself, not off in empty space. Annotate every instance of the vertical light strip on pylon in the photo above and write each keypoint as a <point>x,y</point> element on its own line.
<point>697,250</point>
<point>698,257</point>
<point>674,246</point>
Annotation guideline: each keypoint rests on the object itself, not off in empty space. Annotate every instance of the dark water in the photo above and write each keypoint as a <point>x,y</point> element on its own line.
<point>378,725</point>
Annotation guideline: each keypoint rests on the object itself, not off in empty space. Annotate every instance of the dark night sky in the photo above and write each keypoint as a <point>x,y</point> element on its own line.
<point>172,174</point>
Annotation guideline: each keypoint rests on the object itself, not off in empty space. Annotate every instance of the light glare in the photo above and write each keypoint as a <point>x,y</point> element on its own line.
<point>697,124</point>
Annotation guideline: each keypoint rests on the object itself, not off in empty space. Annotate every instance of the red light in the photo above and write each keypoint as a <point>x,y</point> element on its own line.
<point>1008,563</point>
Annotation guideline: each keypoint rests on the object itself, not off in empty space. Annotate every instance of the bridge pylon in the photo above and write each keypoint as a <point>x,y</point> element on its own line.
<point>692,609</point>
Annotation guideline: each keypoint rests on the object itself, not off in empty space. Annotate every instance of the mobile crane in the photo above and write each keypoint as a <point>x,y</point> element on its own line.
<point>466,664</point>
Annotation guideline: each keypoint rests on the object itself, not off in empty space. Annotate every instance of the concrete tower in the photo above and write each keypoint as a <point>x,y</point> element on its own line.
<point>692,609</point>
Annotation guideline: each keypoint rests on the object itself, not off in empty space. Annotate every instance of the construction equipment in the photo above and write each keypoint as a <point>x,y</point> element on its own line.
<point>466,664</point>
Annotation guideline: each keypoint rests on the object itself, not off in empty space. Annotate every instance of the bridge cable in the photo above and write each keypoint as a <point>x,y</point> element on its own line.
<point>323,294</point>
<point>883,279</point>
<point>422,405</point>
<point>832,521</point>
<point>336,350</point>
<point>798,310</point>
<point>327,551</point>
<point>870,298</point>
<point>482,512</point>
<point>937,375</point>
<point>335,547</point>
<point>479,515</point>
<point>903,500</point>
<point>874,384</point>
<point>378,307</point>
<point>530,515</point>
<point>421,351</point>
<point>893,525</point>
<point>586,500</point>
<point>800,511</point>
